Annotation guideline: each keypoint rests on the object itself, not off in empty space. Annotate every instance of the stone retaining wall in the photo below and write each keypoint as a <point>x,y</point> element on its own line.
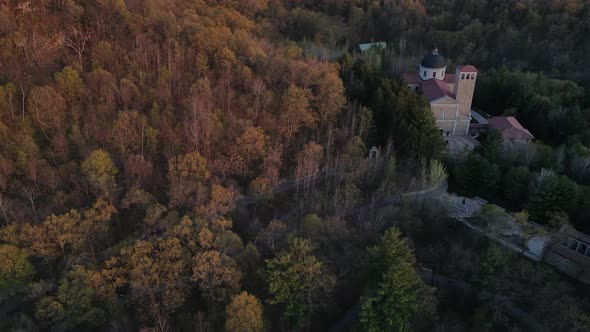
<point>567,266</point>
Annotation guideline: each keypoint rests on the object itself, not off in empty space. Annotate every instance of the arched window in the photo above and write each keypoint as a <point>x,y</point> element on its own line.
<point>462,76</point>
<point>573,244</point>
<point>433,74</point>
<point>582,248</point>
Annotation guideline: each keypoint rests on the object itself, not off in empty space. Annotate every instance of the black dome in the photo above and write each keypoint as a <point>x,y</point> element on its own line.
<point>434,60</point>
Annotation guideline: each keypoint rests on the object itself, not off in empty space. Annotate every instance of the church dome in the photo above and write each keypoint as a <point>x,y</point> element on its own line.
<point>434,60</point>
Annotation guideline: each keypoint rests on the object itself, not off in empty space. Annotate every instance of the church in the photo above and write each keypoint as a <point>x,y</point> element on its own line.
<point>450,95</point>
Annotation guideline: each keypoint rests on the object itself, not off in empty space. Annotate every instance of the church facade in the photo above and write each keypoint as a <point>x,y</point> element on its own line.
<point>450,95</point>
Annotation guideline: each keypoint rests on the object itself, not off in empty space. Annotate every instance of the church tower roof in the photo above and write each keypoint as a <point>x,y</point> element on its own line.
<point>433,60</point>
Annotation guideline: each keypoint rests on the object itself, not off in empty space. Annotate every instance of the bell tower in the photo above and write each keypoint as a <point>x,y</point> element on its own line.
<point>465,78</point>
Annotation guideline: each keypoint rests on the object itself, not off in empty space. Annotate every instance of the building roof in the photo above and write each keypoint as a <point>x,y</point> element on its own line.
<point>467,69</point>
<point>572,255</point>
<point>433,88</point>
<point>436,89</point>
<point>433,60</point>
<point>510,127</point>
<point>367,46</point>
<point>572,232</point>
<point>412,78</point>
<point>449,78</point>
<point>569,254</point>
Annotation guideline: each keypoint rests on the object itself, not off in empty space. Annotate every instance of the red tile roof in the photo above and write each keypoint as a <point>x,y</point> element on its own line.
<point>412,78</point>
<point>436,89</point>
<point>433,89</point>
<point>449,78</point>
<point>467,69</point>
<point>510,127</point>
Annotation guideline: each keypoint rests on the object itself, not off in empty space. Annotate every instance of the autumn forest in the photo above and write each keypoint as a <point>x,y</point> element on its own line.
<point>205,165</point>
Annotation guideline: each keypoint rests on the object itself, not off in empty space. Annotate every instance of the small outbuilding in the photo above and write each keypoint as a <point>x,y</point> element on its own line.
<point>367,46</point>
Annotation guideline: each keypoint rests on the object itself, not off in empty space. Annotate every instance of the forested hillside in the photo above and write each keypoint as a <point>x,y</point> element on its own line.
<point>532,35</point>
<point>203,165</point>
<point>133,132</point>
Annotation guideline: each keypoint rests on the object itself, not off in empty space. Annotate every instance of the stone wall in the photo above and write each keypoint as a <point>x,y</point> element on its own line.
<point>455,127</point>
<point>445,111</point>
<point>567,266</point>
<point>562,263</point>
<point>446,126</point>
<point>448,118</point>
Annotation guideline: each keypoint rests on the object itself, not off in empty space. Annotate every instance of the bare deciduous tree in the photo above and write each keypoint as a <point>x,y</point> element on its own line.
<point>31,193</point>
<point>5,205</point>
<point>76,39</point>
